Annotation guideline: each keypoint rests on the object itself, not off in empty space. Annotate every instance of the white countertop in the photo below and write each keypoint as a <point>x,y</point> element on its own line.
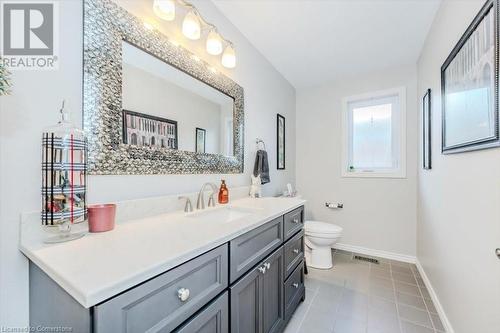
<point>101,265</point>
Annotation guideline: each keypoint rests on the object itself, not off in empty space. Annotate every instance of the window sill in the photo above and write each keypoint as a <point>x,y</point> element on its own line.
<point>374,174</point>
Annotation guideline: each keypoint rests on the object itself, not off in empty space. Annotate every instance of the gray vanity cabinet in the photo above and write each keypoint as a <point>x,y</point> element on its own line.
<point>257,300</point>
<point>252,284</point>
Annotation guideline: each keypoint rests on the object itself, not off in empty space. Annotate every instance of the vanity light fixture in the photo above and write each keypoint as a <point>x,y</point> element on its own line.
<point>229,57</point>
<point>191,27</point>
<point>194,25</point>
<point>164,9</point>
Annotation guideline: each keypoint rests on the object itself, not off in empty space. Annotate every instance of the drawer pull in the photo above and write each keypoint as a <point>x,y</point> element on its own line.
<point>296,251</point>
<point>183,294</point>
<point>295,220</point>
<point>267,265</point>
<point>295,285</point>
<point>262,269</point>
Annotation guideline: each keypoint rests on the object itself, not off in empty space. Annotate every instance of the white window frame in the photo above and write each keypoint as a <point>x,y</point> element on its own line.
<point>400,171</point>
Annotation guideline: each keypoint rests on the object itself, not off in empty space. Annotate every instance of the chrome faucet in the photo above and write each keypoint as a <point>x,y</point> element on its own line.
<point>188,207</point>
<point>200,202</point>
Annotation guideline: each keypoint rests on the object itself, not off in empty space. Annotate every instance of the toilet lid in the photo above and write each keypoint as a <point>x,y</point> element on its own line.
<point>322,227</point>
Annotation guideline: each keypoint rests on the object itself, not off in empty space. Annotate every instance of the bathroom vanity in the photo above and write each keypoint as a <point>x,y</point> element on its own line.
<point>235,268</point>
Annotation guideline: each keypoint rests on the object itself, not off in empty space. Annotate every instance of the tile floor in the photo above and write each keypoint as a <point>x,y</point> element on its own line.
<point>360,297</point>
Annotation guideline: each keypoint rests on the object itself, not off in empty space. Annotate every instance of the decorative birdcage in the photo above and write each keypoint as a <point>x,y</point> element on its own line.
<point>63,179</point>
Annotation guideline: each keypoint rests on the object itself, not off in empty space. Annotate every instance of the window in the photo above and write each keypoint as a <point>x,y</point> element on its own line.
<point>374,135</point>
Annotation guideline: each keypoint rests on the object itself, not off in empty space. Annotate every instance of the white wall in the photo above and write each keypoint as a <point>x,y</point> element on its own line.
<point>153,95</point>
<point>375,209</point>
<point>459,199</point>
<point>34,104</point>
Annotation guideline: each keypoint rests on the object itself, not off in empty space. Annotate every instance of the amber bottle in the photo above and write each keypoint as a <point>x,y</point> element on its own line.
<point>223,193</point>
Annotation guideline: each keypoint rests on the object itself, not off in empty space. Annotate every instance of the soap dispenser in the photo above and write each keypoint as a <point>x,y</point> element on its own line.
<point>223,193</point>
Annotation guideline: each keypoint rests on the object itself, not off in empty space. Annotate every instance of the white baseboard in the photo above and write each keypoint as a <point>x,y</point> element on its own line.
<point>376,253</point>
<point>435,299</point>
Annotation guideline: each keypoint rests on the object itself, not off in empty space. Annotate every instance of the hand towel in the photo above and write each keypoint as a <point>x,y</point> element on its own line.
<point>261,166</point>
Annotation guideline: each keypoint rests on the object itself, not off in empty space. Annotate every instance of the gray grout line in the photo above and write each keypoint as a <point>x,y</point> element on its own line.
<point>396,299</point>
<point>425,304</point>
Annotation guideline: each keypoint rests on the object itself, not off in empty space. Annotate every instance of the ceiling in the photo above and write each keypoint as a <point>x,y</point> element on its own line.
<point>312,42</point>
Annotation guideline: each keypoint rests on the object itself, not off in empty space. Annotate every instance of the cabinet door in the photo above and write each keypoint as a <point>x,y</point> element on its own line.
<point>273,293</point>
<point>213,319</point>
<point>246,300</point>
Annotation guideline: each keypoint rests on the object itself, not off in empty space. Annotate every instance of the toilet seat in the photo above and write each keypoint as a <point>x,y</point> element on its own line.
<point>322,229</point>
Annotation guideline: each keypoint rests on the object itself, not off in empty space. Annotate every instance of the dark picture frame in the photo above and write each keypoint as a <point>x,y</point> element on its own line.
<point>198,132</point>
<point>280,142</point>
<point>426,131</point>
<point>160,132</point>
<point>469,87</point>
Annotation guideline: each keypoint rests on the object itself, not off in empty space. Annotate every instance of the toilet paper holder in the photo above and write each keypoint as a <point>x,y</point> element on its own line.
<point>332,205</point>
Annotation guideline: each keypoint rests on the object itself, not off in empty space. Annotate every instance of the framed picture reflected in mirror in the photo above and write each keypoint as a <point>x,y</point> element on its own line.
<point>280,134</point>
<point>200,140</point>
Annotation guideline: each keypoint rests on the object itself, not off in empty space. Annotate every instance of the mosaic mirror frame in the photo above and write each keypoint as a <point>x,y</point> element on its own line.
<point>106,25</point>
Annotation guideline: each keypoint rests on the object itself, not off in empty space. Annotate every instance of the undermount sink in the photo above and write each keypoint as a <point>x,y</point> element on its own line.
<point>221,214</point>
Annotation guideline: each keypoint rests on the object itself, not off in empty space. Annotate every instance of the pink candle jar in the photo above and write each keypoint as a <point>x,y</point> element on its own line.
<point>101,217</point>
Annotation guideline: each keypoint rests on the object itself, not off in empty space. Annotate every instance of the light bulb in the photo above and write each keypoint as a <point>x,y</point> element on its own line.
<point>229,57</point>
<point>191,26</point>
<point>164,9</point>
<point>214,43</point>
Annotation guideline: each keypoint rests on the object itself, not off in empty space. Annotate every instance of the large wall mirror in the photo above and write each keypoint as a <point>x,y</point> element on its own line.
<point>151,107</point>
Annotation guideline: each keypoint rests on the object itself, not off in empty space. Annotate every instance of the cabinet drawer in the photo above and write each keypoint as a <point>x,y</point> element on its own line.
<point>294,252</point>
<point>294,221</point>
<point>213,319</point>
<point>248,249</point>
<point>294,290</point>
<point>156,306</point>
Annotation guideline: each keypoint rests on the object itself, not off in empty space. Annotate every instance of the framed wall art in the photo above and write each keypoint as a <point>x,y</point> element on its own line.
<point>469,87</point>
<point>426,131</point>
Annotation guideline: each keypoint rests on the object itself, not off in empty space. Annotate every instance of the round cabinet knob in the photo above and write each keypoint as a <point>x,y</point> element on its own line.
<point>183,294</point>
<point>295,220</point>
<point>262,269</point>
<point>497,252</point>
<point>296,251</point>
<point>295,285</point>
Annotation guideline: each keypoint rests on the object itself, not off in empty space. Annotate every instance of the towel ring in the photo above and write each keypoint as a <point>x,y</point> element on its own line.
<point>257,141</point>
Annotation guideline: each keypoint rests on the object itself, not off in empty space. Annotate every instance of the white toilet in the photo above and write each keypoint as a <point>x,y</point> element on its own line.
<point>320,236</point>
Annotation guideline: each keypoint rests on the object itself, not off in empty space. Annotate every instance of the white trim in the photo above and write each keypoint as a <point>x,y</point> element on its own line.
<point>377,253</point>
<point>439,308</point>
<point>401,171</point>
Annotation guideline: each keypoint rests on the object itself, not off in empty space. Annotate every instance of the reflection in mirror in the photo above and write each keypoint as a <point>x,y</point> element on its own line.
<point>163,107</point>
